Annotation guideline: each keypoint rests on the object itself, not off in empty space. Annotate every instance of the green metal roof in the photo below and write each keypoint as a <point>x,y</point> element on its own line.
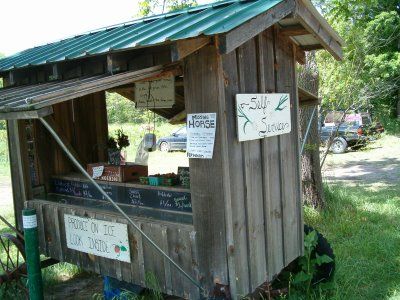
<point>209,19</point>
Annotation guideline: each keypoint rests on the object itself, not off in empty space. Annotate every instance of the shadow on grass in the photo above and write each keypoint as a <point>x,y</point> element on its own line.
<point>363,228</point>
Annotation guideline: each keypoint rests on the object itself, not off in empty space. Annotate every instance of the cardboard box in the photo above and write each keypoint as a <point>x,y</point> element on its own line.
<point>123,173</point>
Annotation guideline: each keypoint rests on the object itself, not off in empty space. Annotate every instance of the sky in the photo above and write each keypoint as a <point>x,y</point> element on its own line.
<point>29,23</point>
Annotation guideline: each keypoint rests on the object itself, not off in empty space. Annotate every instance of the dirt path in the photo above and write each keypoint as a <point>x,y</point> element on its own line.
<point>378,165</point>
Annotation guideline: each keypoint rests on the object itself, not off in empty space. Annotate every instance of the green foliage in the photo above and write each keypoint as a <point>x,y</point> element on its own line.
<point>300,284</point>
<point>119,141</point>
<point>121,110</point>
<point>369,76</point>
<point>151,7</point>
<point>1,80</point>
<point>362,225</point>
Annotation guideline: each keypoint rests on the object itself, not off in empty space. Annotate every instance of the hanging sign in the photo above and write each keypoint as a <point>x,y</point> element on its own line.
<point>101,238</point>
<point>200,130</point>
<point>262,115</point>
<point>159,93</point>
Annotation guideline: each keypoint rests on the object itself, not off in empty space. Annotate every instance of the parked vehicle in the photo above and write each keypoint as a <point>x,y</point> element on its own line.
<point>333,118</point>
<point>174,142</point>
<point>348,135</point>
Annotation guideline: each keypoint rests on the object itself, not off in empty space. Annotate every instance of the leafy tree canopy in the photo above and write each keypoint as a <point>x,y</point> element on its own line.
<point>150,7</point>
<point>369,75</point>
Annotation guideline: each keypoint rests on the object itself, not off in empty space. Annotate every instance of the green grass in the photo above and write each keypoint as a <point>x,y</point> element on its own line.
<point>51,276</point>
<point>4,160</point>
<point>363,227</point>
<point>392,125</point>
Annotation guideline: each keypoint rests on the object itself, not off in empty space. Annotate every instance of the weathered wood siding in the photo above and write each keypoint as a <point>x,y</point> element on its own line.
<point>82,122</point>
<point>265,205</point>
<point>203,85</point>
<point>246,200</point>
<point>177,240</point>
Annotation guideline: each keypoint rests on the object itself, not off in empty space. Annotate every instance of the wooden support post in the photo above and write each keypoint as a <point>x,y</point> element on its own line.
<point>183,48</point>
<point>20,184</point>
<point>204,87</point>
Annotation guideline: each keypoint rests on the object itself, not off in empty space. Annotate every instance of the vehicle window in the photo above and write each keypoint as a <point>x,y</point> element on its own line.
<point>366,120</point>
<point>181,131</point>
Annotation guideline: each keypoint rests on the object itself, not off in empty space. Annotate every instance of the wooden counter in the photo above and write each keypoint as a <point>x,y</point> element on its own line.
<point>158,202</point>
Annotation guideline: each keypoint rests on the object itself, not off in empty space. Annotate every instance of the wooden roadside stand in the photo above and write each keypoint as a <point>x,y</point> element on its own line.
<point>233,69</point>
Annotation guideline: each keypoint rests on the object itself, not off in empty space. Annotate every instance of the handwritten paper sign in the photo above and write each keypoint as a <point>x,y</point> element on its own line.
<point>97,237</point>
<point>158,93</point>
<point>97,171</point>
<point>201,135</point>
<point>262,115</point>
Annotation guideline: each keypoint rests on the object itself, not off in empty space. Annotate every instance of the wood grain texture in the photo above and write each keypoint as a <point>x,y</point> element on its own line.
<point>264,204</point>
<point>245,32</point>
<point>311,23</point>
<point>19,182</point>
<point>253,177</point>
<point>203,78</point>
<point>270,158</point>
<point>176,239</point>
<point>285,83</point>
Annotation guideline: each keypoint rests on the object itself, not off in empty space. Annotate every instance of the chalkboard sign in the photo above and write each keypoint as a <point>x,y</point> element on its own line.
<point>184,176</point>
<point>154,198</point>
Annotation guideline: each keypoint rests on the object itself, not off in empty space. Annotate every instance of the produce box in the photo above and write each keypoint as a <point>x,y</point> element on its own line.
<point>124,173</point>
<point>154,180</point>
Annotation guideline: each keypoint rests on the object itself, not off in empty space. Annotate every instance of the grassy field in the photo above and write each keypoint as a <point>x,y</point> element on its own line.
<point>362,221</point>
<point>157,160</point>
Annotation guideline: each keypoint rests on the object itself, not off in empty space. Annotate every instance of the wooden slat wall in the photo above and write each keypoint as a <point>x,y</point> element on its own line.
<point>265,206</point>
<point>83,122</point>
<point>178,241</point>
<point>204,93</point>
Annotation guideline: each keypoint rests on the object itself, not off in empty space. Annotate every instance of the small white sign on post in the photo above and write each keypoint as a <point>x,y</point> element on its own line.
<point>159,93</point>
<point>262,115</point>
<point>101,238</point>
<point>201,135</point>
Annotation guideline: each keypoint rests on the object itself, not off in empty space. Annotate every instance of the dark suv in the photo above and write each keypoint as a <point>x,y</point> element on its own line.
<point>347,135</point>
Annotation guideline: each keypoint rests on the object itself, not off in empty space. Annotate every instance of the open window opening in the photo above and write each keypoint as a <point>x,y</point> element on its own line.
<point>149,178</point>
<point>169,151</point>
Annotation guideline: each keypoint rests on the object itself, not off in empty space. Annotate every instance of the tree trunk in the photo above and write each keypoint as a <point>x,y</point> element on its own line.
<point>310,161</point>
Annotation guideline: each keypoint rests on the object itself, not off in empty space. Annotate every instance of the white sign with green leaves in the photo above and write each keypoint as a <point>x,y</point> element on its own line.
<point>101,238</point>
<point>262,115</point>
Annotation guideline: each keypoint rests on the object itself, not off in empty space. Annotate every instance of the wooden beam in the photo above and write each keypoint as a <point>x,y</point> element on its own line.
<point>311,47</point>
<point>117,62</point>
<point>55,75</point>
<point>308,102</point>
<point>311,23</point>
<point>100,84</point>
<point>294,30</point>
<point>236,37</point>
<point>23,115</point>
<point>300,55</point>
<point>183,48</point>
<point>180,118</point>
<point>306,95</point>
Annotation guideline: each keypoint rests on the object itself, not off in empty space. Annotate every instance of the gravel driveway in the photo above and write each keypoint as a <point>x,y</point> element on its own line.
<point>377,165</point>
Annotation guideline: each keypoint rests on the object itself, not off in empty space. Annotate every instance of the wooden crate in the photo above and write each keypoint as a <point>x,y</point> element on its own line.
<point>124,173</point>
